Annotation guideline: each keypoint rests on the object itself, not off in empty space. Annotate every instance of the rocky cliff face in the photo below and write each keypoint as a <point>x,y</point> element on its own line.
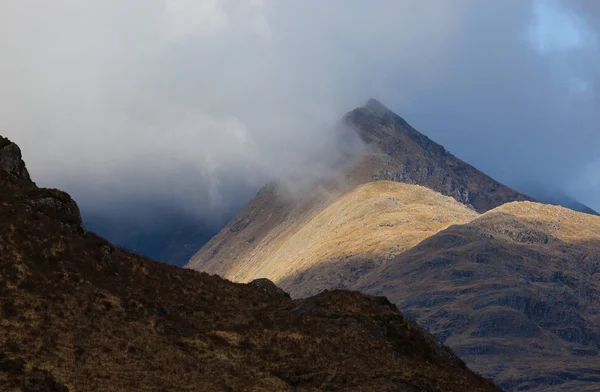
<point>11,160</point>
<point>403,154</point>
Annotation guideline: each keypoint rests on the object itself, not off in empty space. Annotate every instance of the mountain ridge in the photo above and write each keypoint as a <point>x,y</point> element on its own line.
<point>169,242</point>
<point>419,160</point>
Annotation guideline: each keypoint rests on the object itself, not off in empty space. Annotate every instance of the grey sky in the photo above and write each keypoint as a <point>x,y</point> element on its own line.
<point>199,102</point>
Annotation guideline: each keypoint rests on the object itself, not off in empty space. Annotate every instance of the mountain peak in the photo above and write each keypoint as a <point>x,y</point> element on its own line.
<point>11,160</point>
<point>376,107</point>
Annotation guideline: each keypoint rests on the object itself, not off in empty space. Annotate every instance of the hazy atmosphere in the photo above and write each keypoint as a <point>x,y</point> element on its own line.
<point>137,105</point>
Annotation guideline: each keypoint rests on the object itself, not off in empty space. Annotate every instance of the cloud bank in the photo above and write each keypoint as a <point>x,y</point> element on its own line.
<point>129,105</point>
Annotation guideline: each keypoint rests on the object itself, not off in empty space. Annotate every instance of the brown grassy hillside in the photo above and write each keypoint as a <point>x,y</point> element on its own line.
<point>516,292</point>
<point>365,227</point>
<point>79,314</point>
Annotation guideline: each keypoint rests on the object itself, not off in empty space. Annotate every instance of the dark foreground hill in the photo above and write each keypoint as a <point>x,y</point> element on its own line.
<point>79,314</point>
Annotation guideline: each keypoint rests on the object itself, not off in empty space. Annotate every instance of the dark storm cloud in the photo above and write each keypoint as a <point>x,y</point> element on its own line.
<point>198,103</point>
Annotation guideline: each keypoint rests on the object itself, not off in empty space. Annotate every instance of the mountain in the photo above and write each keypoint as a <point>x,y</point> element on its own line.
<point>174,237</point>
<point>558,197</point>
<point>504,289</point>
<point>510,284</point>
<point>357,228</point>
<point>395,151</point>
<point>516,292</point>
<point>171,237</point>
<point>403,154</point>
<point>79,314</point>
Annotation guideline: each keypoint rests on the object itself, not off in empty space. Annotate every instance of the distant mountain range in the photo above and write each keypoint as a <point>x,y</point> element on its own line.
<point>511,284</point>
<point>173,237</point>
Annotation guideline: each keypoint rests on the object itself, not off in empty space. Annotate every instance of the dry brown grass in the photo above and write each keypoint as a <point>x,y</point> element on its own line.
<point>78,314</point>
<point>514,285</point>
<point>504,288</point>
<point>375,221</point>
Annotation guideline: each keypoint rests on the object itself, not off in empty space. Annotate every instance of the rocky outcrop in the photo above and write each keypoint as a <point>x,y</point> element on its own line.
<point>46,203</point>
<point>59,206</point>
<point>11,159</point>
<point>266,286</point>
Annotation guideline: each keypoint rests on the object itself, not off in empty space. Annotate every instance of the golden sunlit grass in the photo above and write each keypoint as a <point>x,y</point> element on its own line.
<point>375,221</point>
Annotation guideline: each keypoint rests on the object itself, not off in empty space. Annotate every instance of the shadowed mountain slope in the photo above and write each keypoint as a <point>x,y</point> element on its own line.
<point>79,314</point>
<point>515,292</point>
<point>405,155</point>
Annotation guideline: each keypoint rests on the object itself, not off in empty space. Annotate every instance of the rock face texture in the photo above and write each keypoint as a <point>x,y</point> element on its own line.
<point>11,160</point>
<point>403,154</point>
<point>267,286</point>
<point>78,314</point>
<point>50,203</point>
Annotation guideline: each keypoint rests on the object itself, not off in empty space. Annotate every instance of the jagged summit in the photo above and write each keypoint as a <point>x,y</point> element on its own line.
<point>11,159</point>
<point>404,154</point>
<point>376,107</point>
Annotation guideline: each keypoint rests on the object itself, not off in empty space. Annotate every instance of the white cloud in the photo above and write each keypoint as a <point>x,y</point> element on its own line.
<point>125,100</point>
